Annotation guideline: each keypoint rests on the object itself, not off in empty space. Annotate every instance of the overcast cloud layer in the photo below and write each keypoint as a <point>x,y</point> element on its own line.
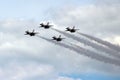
<point>31,58</point>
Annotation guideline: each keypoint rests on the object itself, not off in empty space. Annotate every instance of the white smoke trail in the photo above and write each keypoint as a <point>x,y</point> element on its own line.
<point>108,44</point>
<point>85,52</point>
<point>93,45</point>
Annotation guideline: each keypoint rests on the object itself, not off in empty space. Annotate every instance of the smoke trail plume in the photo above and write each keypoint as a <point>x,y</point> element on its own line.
<point>108,44</point>
<point>93,45</point>
<point>86,52</point>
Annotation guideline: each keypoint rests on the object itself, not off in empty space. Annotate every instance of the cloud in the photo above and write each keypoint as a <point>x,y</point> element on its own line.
<point>42,60</point>
<point>108,2</point>
<point>15,46</point>
<point>99,19</point>
<point>66,78</point>
<point>21,71</point>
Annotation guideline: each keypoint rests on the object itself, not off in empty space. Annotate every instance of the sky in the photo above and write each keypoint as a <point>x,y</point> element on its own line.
<point>31,58</point>
<point>33,9</point>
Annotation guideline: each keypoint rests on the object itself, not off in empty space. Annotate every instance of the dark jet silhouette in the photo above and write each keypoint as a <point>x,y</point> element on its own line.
<point>46,26</point>
<point>72,30</point>
<point>33,33</point>
<point>57,38</point>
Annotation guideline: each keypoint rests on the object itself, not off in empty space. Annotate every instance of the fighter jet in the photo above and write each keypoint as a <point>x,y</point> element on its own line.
<point>46,26</point>
<point>57,38</point>
<point>33,33</point>
<point>72,30</point>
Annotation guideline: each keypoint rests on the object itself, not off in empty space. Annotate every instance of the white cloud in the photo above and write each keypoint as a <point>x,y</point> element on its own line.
<point>114,39</point>
<point>21,71</point>
<point>66,78</point>
<point>99,19</point>
<point>108,2</point>
<point>25,48</point>
<point>31,53</point>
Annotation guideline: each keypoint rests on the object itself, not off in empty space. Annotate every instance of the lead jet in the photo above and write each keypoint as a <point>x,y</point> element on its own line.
<point>32,33</point>
<point>57,38</point>
<point>46,26</point>
<point>72,30</point>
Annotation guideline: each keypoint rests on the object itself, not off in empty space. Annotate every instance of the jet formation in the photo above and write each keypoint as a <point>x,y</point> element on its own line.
<point>47,26</point>
<point>57,38</point>
<point>72,30</point>
<point>32,33</point>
